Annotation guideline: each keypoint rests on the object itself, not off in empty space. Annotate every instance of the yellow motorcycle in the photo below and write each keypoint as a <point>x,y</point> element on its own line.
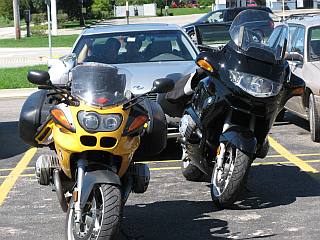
<point>94,125</point>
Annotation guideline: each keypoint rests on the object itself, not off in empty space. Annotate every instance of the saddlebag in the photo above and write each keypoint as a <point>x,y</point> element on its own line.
<point>154,139</point>
<point>34,112</point>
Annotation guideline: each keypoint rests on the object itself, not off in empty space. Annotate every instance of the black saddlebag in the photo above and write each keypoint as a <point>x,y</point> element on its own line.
<point>34,112</point>
<point>154,140</point>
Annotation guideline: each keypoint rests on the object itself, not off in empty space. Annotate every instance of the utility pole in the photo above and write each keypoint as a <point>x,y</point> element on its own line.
<point>16,16</point>
<point>54,17</point>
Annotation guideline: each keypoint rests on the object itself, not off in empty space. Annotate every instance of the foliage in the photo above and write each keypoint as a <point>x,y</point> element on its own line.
<point>39,18</point>
<point>205,2</point>
<point>62,19</point>
<point>6,9</point>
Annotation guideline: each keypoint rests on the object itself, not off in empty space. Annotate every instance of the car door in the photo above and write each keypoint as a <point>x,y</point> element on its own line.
<point>296,44</point>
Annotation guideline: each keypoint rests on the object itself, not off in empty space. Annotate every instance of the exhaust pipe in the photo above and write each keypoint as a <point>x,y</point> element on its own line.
<point>59,190</point>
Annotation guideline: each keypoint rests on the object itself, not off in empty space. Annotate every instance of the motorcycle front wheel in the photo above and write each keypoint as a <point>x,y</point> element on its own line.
<point>100,217</point>
<point>228,181</point>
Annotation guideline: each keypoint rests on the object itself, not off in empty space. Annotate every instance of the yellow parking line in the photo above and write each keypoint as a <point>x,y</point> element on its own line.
<point>292,158</point>
<point>297,155</point>
<point>9,182</point>
<point>161,161</point>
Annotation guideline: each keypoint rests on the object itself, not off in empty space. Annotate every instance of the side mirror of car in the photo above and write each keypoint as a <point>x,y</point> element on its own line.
<point>162,85</point>
<point>294,56</point>
<point>40,78</point>
<point>296,85</point>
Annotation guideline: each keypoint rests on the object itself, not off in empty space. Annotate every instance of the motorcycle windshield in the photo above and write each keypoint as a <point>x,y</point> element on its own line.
<point>100,84</point>
<point>255,33</point>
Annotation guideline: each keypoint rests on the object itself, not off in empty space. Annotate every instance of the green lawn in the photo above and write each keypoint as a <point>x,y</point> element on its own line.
<point>39,41</point>
<point>186,11</point>
<point>17,77</point>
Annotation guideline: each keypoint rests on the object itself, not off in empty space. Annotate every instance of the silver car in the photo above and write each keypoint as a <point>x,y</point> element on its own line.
<point>147,51</point>
<point>304,59</point>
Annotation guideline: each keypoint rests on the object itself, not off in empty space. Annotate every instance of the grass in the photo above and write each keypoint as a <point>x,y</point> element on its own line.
<point>186,11</point>
<point>39,41</point>
<point>17,77</point>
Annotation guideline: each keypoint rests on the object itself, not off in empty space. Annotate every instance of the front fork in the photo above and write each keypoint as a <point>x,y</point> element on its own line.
<point>82,164</point>
<point>222,148</point>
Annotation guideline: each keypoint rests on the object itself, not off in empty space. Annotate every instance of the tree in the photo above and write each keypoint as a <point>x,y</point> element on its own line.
<point>6,9</point>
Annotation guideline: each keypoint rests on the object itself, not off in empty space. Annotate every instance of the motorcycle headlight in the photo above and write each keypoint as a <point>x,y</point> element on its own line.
<point>255,85</point>
<point>92,121</point>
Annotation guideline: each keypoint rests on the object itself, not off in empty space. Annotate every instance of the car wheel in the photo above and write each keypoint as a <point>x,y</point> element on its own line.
<point>314,120</point>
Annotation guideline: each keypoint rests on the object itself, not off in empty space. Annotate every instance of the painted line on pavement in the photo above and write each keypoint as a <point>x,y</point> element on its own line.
<point>9,182</point>
<point>291,157</point>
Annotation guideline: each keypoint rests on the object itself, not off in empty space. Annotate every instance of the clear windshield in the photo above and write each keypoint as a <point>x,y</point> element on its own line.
<point>100,84</point>
<point>254,32</point>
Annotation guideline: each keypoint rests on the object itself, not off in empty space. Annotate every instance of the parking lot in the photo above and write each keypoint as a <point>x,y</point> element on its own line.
<point>281,201</point>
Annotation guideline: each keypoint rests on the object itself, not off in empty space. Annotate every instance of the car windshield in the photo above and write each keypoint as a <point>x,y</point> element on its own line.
<point>100,84</point>
<point>135,47</point>
<point>314,44</point>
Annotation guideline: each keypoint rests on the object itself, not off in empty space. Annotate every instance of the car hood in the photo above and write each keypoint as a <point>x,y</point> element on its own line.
<point>316,64</point>
<point>143,74</point>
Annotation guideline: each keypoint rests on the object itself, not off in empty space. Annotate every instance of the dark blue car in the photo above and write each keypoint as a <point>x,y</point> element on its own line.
<point>224,16</point>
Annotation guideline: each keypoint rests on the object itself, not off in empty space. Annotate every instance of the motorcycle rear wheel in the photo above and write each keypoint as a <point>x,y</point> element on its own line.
<point>227,183</point>
<point>101,216</point>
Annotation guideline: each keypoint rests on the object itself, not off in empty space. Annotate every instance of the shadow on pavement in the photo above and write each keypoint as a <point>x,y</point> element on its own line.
<point>10,142</point>
<point>173,220</point>
<point>276,185</point>
<point>294,119</point>
<point>173,151</point>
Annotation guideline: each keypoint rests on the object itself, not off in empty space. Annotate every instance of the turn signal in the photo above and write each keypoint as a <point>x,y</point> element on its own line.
<point>205,65</point>
<point>61,119</point>
<point>138,122</point>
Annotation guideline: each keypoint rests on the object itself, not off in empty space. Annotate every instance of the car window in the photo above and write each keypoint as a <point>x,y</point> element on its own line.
<point>314,44</point>
<point>215,17</point>
<point>297,43</point>
<point>135,47</point>
<point>292,32</point>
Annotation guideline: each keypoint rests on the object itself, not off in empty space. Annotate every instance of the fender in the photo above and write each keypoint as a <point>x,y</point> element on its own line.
<point>242,139</point>
<point>95,177</point>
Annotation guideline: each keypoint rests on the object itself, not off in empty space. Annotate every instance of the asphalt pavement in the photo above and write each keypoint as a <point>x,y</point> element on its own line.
<point>281,201</point>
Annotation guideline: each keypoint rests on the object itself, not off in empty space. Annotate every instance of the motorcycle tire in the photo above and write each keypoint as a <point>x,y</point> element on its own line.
<point>190,172</point>
<point>108,201</point>
<point>314,120</point>
<point>225,191</point>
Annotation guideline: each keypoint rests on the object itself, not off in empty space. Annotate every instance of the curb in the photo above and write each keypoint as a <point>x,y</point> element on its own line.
<point>17,93</point>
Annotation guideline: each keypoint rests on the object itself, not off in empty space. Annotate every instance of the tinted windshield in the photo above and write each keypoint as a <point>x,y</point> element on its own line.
<point>135,47</point>
<point>100,84</point>
<point>254,33</point>
<point>314,44</point>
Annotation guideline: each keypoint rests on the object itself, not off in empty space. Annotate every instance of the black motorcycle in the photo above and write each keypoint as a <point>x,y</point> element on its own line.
<point>239,91</point>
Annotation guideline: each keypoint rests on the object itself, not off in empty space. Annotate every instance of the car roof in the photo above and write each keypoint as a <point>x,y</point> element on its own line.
<point>99,29</point>
<point>308,20</point>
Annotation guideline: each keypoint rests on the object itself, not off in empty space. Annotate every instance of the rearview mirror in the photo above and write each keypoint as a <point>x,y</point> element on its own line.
<point>294,56</point>
<point>162,85</point>
<point>40,78</point>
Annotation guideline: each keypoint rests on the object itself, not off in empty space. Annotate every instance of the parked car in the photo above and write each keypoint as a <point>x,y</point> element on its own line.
<point>304,58</point>
<point>147,51</point>
<point>219,16</point>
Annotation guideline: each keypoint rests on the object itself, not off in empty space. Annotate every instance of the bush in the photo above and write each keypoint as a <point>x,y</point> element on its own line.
<point>62,19</point>
<point>39,18</point>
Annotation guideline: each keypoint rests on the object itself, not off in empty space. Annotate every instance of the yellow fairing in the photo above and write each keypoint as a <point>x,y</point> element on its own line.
<point>67,143</point>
